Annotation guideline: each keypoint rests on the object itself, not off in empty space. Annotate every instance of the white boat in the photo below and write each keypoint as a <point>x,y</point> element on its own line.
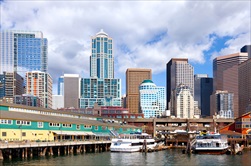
<point>132,143</point>
<point>210,144</point>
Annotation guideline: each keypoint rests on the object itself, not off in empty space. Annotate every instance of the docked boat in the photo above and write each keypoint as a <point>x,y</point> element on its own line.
<point>132,143</point>
<point>210,144</point>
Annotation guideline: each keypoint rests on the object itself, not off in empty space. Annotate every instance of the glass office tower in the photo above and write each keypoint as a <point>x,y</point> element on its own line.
<point>23,51</point>
<point>101,60</point>
<point>101,88</point>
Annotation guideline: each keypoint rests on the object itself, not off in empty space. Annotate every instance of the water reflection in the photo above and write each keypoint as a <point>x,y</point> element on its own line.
<point>161,158</point>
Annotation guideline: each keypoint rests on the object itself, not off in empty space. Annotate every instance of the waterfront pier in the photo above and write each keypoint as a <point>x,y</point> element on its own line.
<point>30,149</point>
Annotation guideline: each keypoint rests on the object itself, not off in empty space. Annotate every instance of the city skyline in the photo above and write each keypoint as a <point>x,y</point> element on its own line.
<point>143,36</point>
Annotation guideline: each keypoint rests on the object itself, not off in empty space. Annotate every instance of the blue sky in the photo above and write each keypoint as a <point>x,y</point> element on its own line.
<point>146,34</point>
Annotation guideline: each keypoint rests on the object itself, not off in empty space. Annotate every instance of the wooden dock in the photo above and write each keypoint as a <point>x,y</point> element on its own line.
<point>30,149</point>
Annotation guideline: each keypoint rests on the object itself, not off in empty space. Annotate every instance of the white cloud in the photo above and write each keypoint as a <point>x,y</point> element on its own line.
<point>178,29</point>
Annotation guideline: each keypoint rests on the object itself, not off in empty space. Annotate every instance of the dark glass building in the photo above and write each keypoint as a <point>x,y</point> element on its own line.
<point>203,88</point>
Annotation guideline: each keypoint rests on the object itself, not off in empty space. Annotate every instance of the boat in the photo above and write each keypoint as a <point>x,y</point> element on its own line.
<point>132,143</point>
<point>210,143</point>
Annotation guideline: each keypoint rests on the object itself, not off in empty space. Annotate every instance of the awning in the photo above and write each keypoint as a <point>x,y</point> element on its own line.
<point>72,133</point>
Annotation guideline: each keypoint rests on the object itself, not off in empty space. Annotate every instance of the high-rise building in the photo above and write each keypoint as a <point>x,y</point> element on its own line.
<point>61,85</point>
<point>102,88</point>
<point>23,51</point>
<point>203,88</point>
<point>40,84</point>
<point>244,87</point>
<point>71,90</point>
<point>178,71</point>
<point>104,92</point>
<point>182,102</point>
<point>2,85</point>
<point>11,84</point>
<point>101,59</point>
<point>222,104</point>
<point>152,99</point>
<point>225,74</point>
<point>134,77</point>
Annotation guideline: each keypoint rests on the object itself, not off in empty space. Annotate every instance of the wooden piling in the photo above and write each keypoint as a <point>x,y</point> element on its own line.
<point>31,152</point>
<point>10,154</point>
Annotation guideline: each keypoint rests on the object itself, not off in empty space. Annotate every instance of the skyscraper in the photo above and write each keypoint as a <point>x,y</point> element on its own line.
<point>101,88</point>
<point>244,87</point>
<point>203,88</point>
<point>101,59</point>
<point>11,84</point>
<point>134,77</point>
<point>225,73</point>
<point>222,104</point>
<point>182,102</point>
<point>152,99</point>
<point>61,85</point>
<point>40,84</point>
<point>23,51</point>
<point>178,71</point>
<point>71,90</point>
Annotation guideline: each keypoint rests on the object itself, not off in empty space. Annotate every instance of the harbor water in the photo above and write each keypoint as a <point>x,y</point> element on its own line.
<point>160,158</point>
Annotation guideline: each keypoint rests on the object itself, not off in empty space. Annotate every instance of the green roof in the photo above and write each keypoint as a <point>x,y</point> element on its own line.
<point>147,81</point>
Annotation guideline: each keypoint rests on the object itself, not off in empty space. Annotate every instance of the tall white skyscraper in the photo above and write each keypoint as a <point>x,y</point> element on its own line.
<point>23,51</point>
<point>152,99</point>
<point>178,71</point>
<point>101,59</point>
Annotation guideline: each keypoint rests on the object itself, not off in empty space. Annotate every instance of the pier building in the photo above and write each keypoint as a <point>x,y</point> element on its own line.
<point>25,123</point>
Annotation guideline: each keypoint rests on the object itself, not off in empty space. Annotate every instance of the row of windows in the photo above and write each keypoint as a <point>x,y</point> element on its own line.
<point>67,125</point>
<point>5,121</point>
<point>23,123</point>
<point>41,124</point>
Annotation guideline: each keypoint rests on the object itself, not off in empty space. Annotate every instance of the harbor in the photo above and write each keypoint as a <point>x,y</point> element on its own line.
<point>164,157</point>
<point>27,149</point>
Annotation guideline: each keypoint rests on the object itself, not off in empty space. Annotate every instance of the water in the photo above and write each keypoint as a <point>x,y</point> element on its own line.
<point>165,158</point>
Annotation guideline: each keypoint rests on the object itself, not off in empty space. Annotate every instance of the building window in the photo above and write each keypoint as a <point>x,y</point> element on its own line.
<point>23,134</point>
<point>96,127</point>
<point>88,126</point>
<point>40,124</point>
<point>5,121</point>
<point>54,125</point>
<point>67,125</point>
<point>4,134</point>
<point>78,127</point>
<point>25,123</point>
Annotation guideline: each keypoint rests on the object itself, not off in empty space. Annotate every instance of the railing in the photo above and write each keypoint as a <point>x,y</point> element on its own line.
<point>114,133</point>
